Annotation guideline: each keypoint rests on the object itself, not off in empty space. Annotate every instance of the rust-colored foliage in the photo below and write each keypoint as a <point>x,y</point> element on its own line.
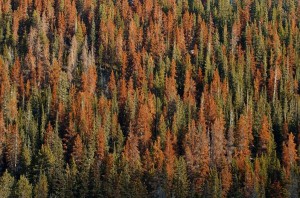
<point>265,139</point>
<point>48,136</point>
<point>89,80</point>
<point>289,152</point>
<point>169,153</point>
<point>218,140</point>
<point>158,155</point>
<point>16,72</point>
<point>77,150</point>
<point>119,89</point>
<point>131,151</point>
<point>54,80</point>
<point>171,86</point>
<point>197,154</point>
<point>112,84</point>
<point>101,143</point>
<point>143,124</point>
<point>13,148</point>
<point>226,176</point>
<point>244,137</point>
<point>189,85</point>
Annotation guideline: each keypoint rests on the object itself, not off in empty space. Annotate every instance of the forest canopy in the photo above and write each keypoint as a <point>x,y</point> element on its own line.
<point>149,98</point>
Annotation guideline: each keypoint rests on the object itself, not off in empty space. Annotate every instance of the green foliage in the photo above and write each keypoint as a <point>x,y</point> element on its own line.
<point>6,183</point>
<point>23,188</point>
<point>41,188</point>
<point>180,182</point>
<point>230,69</point>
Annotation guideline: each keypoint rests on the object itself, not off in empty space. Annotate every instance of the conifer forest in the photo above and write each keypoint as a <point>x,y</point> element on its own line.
<point>149,98</point>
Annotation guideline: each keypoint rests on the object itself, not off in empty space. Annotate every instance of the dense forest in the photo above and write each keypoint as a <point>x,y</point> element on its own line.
<point>149,98</point>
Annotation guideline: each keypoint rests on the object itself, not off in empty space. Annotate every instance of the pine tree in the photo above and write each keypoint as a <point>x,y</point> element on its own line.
<point>143,130</point>
<point>131,152</point>
<point>13,148</point>
<point>226,179</point>
<point>189,85</point>
<point>101,144</point>
<point>158,155</point>
<point>169,154</point>
<point>16,72</point>
<point>112,85</point>
<point>49,135</point>
<point>171,85</point>
<point>89,80</point>
<point>45,160</point>
<point>77,150</point>
<point>196,155</point>
<point>72,58</point>
<point>289,153</point>
<point>265,136</point>
<point>23,188</point>
<point>180,182</point>
<point>7,183</point>
<point>218,140</point>
<point>41,188</point>
<point>204,149</point>
<point>162,128</point>
<point>244,137</point>
<point>25,159</point>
